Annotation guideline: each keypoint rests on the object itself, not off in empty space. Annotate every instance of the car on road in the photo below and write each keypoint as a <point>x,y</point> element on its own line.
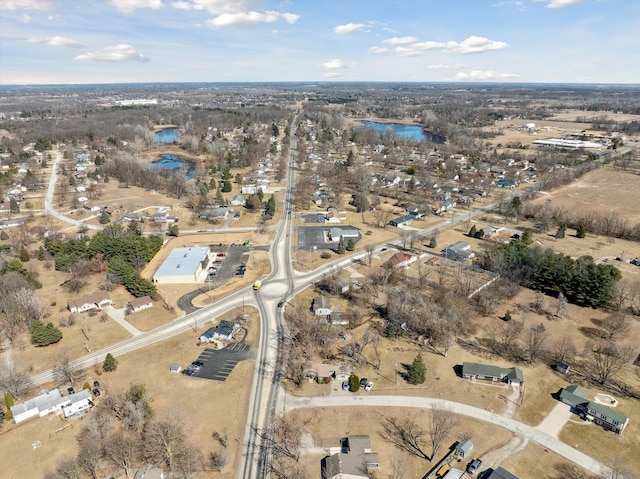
<point>383,249</point>
<point>473,466</point>
<point>280,304</point>
<point>369,386</point>
<point>345,385</point>
<point>363,382</point>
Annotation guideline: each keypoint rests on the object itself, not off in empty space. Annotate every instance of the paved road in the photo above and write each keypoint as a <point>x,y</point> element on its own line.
<point>528,432</point>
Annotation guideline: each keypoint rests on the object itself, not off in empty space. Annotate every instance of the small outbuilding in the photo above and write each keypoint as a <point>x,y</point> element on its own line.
<point>139,304</point>
<point>464,448</point>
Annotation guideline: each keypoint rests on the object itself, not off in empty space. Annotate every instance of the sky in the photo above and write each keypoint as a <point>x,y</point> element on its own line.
<point>131,41</point>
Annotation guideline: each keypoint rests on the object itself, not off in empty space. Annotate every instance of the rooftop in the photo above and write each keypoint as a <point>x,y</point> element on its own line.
<point>182,261</point>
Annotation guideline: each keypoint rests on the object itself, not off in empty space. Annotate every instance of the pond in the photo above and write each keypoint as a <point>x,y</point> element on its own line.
<point>168,135</point>
<point>405,132</point>
<point>170,163</point>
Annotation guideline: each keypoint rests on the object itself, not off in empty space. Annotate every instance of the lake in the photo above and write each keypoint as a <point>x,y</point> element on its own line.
<point>168,135</point>
<point>169,162</point>
<point>405,132</point>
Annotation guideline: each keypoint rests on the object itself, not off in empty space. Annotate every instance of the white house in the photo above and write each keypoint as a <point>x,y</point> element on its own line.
<point>321,306</point>
<point>224,330</point>
<point>139,304</point>
<point>96,300</point>
<point>78,402</point>
<point>46,402</point>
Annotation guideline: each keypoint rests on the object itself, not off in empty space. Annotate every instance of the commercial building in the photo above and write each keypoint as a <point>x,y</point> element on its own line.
<point>183,265</point>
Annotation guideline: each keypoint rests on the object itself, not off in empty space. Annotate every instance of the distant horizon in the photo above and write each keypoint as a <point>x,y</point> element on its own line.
<point>63,42</point>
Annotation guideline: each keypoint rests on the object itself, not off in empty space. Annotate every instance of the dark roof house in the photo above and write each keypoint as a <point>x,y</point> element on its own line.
<point>352,460</point>
<point>487,372</point>
<point>576,397</point>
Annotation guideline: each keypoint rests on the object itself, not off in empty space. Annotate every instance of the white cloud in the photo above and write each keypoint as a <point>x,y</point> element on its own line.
<point>27,4</point>
<point>457,66</point>
<point>128,6</point>
<point>348,28</point>
<point>115,53</point>
<point>182,5</point>
<point>59,41</point>
<point>333,75</point>
<point>559,3</point>
<point>333,64</point>
<point>56,41</point>
<point>378,50</point>
<point>220,7</point>
<point>483,75</point>
<point>246,19</point>
<point>475,44</point>
<point>408,51</point>
<point>400,40</point>
<point>26,18</point>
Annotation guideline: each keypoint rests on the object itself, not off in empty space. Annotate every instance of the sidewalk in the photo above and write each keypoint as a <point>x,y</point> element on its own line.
<point>118,316</point>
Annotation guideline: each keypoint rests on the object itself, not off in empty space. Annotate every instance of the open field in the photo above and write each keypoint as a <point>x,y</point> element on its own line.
<point>571,115</point>
<point>202,405</point>
<point>535,462</point>
<point>605,190</point>
<point>151,318</point>
<point>328,425</point>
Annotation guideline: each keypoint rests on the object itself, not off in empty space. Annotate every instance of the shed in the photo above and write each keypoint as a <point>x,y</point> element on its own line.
<point>562,367</point>
<point>175,368</point>
<point>464,448</point>
<point>138,304</point>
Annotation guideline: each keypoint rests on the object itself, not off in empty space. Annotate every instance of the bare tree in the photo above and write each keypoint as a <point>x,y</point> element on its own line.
<point>504,337</point>
<point>66,370</point>
<point>441,425</point>
<point>15,381</point>
<point>369,253</point>
<point>381,216</point>
<point>615,325</point>
<point>535,342</point>
<point>605,360</point>
<point>561,305</point>
<point>122,451</point>
<point>406,435</point>
<point>70,469</point>
<point>538,302</point>
<point>163,440</point>
<point>564,349</point>
<point>90,456</point>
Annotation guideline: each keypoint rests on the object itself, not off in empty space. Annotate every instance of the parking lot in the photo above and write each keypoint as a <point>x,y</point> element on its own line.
<point>219,363</point>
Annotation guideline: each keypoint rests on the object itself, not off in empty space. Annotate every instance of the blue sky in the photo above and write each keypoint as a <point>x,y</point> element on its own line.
<point>121,41</point>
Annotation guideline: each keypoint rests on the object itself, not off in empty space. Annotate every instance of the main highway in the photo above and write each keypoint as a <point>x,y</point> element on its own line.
<point>267,395</point>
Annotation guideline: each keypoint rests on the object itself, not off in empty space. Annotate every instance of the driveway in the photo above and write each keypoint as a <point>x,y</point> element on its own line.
<point>525,431</point>
<point>555,420</point>
<point>118,316</point>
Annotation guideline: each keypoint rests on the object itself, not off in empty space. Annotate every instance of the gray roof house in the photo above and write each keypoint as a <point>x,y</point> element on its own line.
<point>352,460</point>
<point>464,448</point>
<point>576,397</point>
<point>502,473</point>
<point>321,306</point>
<point>214,214</point>
<point>402,221</point>
<point>458,251</point>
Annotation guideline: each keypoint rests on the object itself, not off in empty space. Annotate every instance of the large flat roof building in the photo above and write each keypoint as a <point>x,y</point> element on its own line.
<point>183,265</point>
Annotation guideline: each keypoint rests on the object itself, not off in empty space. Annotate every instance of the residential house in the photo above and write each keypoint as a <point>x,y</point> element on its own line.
<point>351,460</point>
<point>38,232</point>
<point>237,200</point>
<point>139,304</point>
<point>321,306</point>
<point>400,260</point>
<point>149,471</point>
<point>401,221</point>
<point>46,402</point>
<point>576,397</point>
<point>501,473</point>
<point>96,300</point>
<point>220,213</point>
<point>458,251</point>
<point>78,402</point>
<point>344,232</point>
<point>333,217</point>
<point>224,330</point>
<point>489,373</point>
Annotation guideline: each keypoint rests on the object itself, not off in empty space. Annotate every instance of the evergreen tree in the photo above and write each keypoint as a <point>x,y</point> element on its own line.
<point>104,218</point>
<point>44,334</point>
<point>110,363</point>
<point>14,206</point>
<point>473,231</point>
<point>174,230</point>
<point>227,186</point>
<point>527,237</point>
<point>8,401</point>
<point>581,231</point>
<point>417,371</point>
<point>341,247</point>
<point>351,246</point>
<point>24,255</point>
<point>270,208</point>
<point>433,242</point>
<point>40,254</point>
<point>561,231</point>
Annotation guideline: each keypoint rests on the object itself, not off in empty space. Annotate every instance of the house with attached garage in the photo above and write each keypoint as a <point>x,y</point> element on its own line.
<point>401,221</point>
<point>458,251</point>
<point>78,403</point>
<point>352,460</point>
<point>225,330</point>
<point>45,403</point>
<point>400,260</point>
<point>492,374</point>
<point>590,411</point>
<point>96,300</point>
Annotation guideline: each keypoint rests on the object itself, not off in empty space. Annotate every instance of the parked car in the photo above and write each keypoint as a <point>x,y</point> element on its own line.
<point>96,392</point>
<point>96,384</point>
<point>188,372</point>
<point>473,466</point>
<point>369,386</point>
<point>345,385</point>
<point>196,365</point>
<point>70,390</point>
<point>363,382</point>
